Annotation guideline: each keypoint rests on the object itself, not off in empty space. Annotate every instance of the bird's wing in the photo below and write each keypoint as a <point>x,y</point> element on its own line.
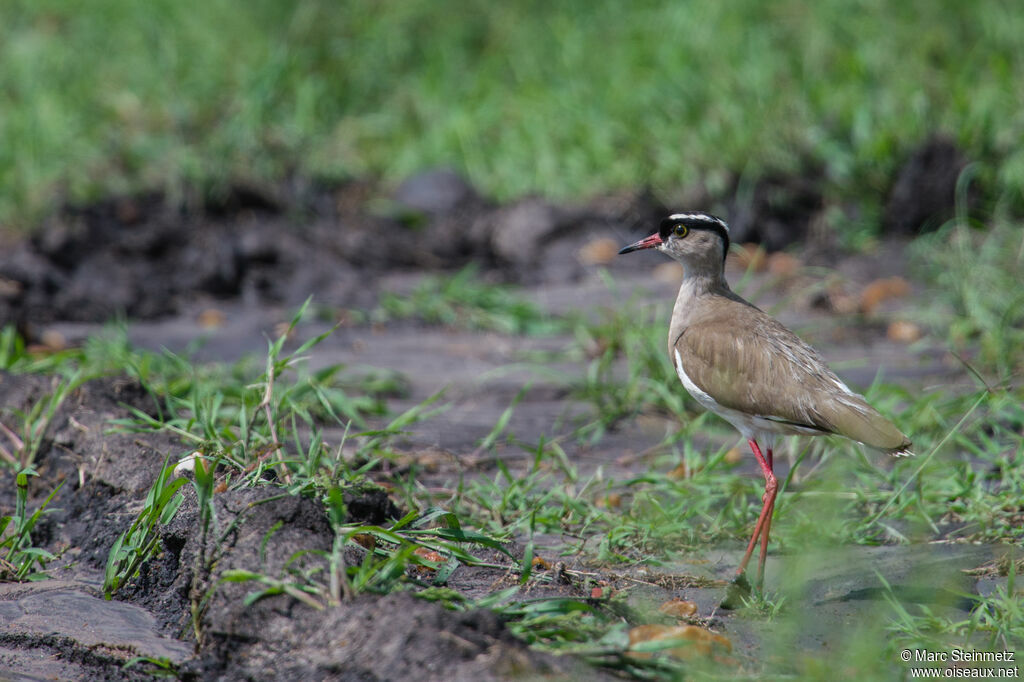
<point>751,363</point>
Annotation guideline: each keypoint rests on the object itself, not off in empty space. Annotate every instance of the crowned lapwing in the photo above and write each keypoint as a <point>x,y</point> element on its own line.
<point>746,367</point>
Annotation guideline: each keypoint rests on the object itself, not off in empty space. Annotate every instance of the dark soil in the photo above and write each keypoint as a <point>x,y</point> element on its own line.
<point>392,637</point>
<point>925,192</point>
<point>148,258</point>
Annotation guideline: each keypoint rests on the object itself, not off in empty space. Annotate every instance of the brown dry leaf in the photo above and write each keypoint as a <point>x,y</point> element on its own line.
<point>734,456</point>
<point>669,273</point>
<point>282,328</point>
<point>222,487</point>
<point>610,501</point>
<point>844,304</point>
<point>679,473</point>
<point>598,252</point>
<point>678,608</point>
<point>903,331</point>
<point>595,348</point>
<point>365,540</point>
<point>211,318</point>
<point>880,290</point>
<point>702,641</point>
<point>784,265</point>
<point>430,460</point>
<point>202,462</point>
<point>751,256</point>
<point>429,555</point>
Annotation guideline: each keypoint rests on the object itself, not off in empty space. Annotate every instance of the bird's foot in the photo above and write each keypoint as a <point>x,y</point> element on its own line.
<point>738,590</point>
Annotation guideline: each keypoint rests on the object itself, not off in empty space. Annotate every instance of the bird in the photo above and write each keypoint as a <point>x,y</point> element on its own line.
<point>745,366</point>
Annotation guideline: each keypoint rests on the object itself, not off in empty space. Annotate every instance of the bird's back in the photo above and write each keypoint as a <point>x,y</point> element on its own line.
<point>749,362</point>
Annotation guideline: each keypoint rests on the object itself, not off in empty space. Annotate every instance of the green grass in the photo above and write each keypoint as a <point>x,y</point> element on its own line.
<point>141,541</point>
<point>20,559</point>
<point>979,272</point>
<point>263,424</point>
<point>565,99</point>
<point>465,301</point>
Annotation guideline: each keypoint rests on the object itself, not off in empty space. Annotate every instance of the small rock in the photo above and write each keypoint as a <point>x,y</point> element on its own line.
<point>518,230</point>
<point>434,191</point>
<point>53,340</point>
<point>186,466</point>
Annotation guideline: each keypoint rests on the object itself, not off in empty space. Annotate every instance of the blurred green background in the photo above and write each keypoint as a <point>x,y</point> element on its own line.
<point>566,99</point>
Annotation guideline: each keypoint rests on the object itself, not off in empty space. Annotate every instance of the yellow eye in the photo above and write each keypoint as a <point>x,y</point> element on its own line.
<point>680,230</point>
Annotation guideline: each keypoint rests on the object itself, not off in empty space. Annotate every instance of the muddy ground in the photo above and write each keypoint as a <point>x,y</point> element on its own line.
<point>252,255</point>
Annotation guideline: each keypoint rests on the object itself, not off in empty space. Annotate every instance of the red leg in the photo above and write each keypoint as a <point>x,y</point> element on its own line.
<point>770,501</point>
<point>764,519</point>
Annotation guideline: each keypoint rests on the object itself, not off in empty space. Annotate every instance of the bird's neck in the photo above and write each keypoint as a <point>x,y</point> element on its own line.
<point>702,278</point>
<point>698,283</point>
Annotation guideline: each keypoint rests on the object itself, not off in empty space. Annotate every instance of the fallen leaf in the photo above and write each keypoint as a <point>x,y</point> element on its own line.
<point>903,331</point>
<point>751,256</point>
<point>365,540</point>
<point>702,642</point>
<point>678,608</point>
<point>211,318</point>
<point>880,290</point>
<point>282,329</point>
<point>734,456</point>
<point>428,554</point>
<point>784,265</point>
<point>598,251</point>
<point>844,304</point>
<point>679,473</point>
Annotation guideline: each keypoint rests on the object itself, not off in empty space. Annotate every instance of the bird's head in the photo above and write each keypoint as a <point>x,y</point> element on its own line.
<point>697,240</point>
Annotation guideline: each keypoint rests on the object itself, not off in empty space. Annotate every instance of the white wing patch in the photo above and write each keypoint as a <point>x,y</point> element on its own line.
<point>762,429</point>
<point>700,396</point>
